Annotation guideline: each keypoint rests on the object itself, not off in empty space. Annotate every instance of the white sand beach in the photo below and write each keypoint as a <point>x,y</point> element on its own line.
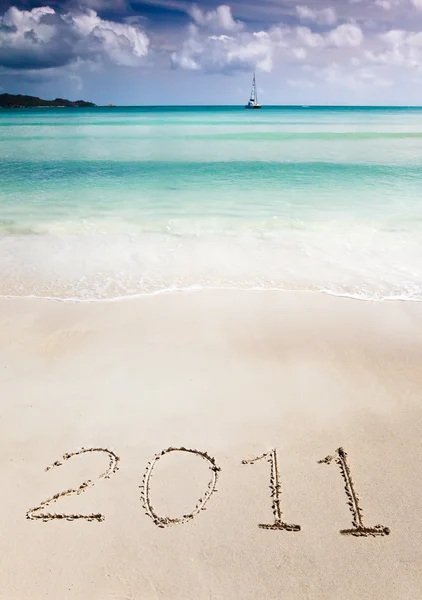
<point>232,374</point>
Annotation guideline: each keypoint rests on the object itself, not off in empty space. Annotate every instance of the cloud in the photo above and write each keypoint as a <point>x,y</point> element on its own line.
<point>218,43</point>
<point>400,49</point>
<point>299,53</point>
<point>342,36</point>
<point>220,19</point>
<point>342,76</point>
<point>324,16</point>
<point>72,72</point>
<point>310,39</point>
<point>41,38</point>
<point>390,4</point>
<point>345,35</point>
<point>215,42</point>
<point>348,54</point>
<point>385,4</point>
<point>224,53</point>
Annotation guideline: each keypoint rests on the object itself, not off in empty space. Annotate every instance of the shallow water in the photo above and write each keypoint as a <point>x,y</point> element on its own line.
<point>102,203</point>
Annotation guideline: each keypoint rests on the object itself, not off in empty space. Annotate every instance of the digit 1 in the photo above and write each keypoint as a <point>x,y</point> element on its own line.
<point>358,529</point>
<point>275,487</point>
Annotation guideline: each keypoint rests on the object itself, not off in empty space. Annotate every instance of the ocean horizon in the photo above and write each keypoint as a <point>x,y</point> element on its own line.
<point>109,202</point>
<point>222,107</point>
<point>226,106</point>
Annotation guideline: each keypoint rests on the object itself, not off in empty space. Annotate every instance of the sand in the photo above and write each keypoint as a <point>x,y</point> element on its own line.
<point>101,390</point>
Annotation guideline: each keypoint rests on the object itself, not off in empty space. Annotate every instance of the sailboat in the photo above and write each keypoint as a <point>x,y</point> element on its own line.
<point>253,100</point>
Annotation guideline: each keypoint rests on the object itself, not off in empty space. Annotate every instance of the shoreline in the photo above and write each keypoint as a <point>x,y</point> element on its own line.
<point>196,290</point>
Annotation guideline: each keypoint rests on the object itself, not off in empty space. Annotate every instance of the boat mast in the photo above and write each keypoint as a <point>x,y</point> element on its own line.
<point>254,87</point>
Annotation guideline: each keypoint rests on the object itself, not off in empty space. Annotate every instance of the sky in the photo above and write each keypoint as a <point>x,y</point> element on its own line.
<point>161,52</point>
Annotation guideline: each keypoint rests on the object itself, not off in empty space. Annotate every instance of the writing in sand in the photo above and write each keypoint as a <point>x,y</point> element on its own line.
<point>358,528</point>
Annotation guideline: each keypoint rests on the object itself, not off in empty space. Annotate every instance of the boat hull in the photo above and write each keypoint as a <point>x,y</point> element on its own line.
<point>252,107</point>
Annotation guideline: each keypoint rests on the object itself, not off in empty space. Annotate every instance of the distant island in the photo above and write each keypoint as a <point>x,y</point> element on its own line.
<point>19,101</point>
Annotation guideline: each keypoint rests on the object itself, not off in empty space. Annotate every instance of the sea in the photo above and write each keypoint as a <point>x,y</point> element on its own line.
<point>106,203</point>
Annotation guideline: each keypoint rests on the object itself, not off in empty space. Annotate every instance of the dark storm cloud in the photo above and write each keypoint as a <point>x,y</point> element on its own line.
<point>27,50</point>
<point>5,29</point>
<point>20,59</point>
<point>42,39</point>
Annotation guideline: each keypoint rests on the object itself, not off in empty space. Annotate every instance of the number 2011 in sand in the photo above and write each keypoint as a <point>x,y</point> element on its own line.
<point>340,457</point>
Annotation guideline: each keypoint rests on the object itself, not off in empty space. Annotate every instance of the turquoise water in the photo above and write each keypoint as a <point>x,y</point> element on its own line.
<point>103,203</point>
